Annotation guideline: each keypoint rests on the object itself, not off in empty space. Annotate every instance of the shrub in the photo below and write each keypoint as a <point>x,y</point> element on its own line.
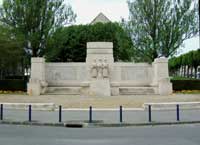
<point>13,85</point>
<point>186,85</point>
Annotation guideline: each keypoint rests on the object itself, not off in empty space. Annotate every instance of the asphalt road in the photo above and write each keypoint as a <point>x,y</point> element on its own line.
<point>157,135</point>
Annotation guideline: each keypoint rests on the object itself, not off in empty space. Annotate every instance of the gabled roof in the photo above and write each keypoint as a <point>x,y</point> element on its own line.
<point>100,18</point>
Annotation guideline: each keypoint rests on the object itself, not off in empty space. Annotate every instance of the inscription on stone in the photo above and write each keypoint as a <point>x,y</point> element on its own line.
<point>134,73</point>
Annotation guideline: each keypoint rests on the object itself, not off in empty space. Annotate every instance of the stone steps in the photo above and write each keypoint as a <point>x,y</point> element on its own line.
<point>136,90</point>
<point>122,91</point>
<point>63,91</point>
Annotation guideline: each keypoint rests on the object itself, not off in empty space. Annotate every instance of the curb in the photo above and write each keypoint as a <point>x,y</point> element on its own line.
<point>162,106</point>
<point>145,124</point>
<point>96,125</point>
<point>35,106</point>
<point>101,109</point>
<point>31,123</point>
<point>172,105</point>
<point>54,107</point>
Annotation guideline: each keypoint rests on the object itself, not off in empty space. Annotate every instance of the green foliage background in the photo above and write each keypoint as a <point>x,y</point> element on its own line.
<point>68,44</point>
<point>11,51</point>
<point>187,62</point>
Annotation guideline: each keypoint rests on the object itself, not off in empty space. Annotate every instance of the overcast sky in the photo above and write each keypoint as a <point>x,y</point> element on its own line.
<point>87,10</point>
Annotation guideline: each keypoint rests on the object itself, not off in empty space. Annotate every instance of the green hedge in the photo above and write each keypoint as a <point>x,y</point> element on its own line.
<point>13,85</point>
<point>186,85</point>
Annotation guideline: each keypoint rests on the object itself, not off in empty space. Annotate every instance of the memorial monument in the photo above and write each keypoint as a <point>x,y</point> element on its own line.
<point>99,75</point>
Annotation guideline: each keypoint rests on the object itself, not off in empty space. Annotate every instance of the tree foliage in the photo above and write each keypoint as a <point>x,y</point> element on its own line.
<point>184,64</point>
<point>11,51</point>
<point>36,20</point>
<point>68,44</point>
<point>159,27</point>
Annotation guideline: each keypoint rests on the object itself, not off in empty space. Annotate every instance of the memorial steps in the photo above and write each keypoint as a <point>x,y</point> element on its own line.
<point>136,91</point>
<point>122,90</point>
<point>63,91</point>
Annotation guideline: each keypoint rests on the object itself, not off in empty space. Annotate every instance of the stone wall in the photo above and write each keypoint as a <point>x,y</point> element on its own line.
<point>100,75</point>
<point>135,73</point>
<point>62,74</point>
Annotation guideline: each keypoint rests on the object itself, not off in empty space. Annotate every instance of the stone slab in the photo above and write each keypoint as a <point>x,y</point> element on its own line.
<point>97,45</point>
<point>34,106</point>
<point>172,105</point>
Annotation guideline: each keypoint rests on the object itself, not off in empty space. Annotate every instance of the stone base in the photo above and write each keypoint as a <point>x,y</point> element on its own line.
<point>100,88</point>
<point>165,87</point>
<point>63,91</point>
<point>34,89</point>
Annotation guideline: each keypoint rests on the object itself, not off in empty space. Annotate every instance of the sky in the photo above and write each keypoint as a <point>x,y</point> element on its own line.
<point>87,10</point>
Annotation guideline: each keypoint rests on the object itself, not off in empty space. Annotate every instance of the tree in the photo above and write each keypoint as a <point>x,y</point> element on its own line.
<point>172,66</point>
<point>189,60</point>
<point>11,51</point>
<point>159,27</point>
<point>68,44</point>
<point>36,20</point>
<point>196,61</point>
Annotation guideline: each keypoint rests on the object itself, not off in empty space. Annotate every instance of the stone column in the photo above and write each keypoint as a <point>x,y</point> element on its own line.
<point>99,50</point>
<point>99,57</point>
<point>37,83</point>
<point>161,76</point>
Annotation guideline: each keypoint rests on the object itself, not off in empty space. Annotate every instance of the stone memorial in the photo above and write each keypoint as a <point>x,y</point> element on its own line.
<point>99,75</point>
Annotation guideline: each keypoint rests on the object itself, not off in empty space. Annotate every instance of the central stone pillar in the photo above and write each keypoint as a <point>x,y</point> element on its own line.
<point>99,60</point>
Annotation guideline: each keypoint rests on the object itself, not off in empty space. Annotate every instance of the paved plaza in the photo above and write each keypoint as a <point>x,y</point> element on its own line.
<point>81,101</point>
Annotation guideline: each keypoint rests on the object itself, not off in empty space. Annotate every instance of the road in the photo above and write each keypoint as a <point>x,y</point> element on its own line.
<point>157,135</point>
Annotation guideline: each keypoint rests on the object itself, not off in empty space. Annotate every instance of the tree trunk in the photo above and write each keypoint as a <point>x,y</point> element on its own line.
<point>195,72</point>
<point>191,72</point>
<point>188,71</point>
<point>184,71</point>
<point>181,74</point>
